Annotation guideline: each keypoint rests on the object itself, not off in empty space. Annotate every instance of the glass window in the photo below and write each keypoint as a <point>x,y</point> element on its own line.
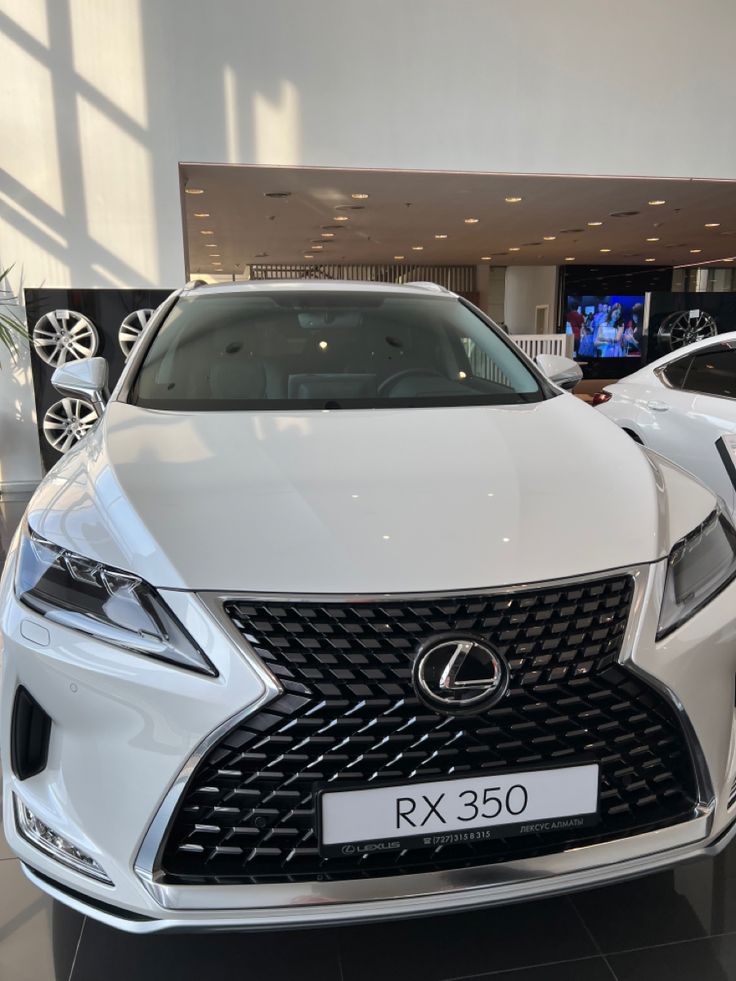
<point>676,371</point>
<point>713,373</point>
<point>295,348</point>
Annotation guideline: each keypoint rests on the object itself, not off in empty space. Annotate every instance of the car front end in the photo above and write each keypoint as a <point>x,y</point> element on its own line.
<point>398,676</point>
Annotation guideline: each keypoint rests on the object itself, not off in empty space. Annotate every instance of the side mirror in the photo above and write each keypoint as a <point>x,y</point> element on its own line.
<point>562,371</point>
<point>85,379</point>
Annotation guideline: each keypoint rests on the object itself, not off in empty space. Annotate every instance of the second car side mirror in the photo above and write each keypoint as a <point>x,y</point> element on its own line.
<point>83,379</point>
<point>562,371</point>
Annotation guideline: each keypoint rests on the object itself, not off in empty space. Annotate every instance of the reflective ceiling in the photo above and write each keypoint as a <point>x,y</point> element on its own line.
<point>247,215</point>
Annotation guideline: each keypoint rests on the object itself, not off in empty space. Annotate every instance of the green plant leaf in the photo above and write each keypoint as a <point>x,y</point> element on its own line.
<point>12,328</point>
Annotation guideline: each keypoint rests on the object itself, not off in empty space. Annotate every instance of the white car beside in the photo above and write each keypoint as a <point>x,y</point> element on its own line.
<point>345,611</point>
<point>684,407</point>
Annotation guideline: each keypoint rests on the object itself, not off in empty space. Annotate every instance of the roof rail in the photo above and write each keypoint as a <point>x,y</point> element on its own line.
<point>434,287</point>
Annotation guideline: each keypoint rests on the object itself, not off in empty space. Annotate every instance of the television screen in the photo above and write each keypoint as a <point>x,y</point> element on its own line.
<point>605,326</point>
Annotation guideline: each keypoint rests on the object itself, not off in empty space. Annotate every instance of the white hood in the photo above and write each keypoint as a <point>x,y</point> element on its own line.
<point>364,501</point>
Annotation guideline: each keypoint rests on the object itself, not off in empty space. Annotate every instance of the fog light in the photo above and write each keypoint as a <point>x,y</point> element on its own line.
<point>48,841</point>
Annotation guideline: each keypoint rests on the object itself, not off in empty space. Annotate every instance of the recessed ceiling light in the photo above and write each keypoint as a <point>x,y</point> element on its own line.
<point>712,224</point>
<point>471,221</point>
<point>214,255</point>
<point>514,248</point>
<point>359,197</point>
<point>728,260</point>
<point>399,257</point>
<point>328,234</point>
<point>341,218</point>
<point>442,235</point>
<point>207,231</point>
<point>316,246</point>
<point>417,248</point>
<point>658,201</point>
<point>604,250</point>
<point>650,260</point>
<point>194,190</point>
<point>595,224</point>
<point>652,240</point>
<point>512,200</point>
<point>549,238</point>
<point>309,256</point>
<point>569,258</point>
<point>695,250</point>
<point>211,245</point>
<point>486,258</point>
<point>201,214</point>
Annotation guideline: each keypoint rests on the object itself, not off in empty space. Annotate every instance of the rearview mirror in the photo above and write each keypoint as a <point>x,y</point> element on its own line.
<point>562,371</point>
<point>83,379</point>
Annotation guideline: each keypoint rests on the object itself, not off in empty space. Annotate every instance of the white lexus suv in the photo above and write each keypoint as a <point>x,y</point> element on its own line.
<point>345,611</point>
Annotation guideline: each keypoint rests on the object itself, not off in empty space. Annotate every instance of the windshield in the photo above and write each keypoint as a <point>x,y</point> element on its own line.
<point>313,350</point>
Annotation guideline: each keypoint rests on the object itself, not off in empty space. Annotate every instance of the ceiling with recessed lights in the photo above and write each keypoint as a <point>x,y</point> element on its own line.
<point>235,216</point>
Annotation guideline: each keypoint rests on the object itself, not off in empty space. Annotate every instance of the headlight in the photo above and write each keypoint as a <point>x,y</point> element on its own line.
<point>700,566</point>
<point>111,605</point>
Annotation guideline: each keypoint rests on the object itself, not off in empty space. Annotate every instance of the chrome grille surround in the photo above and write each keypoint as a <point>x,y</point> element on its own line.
<point>150,868</point>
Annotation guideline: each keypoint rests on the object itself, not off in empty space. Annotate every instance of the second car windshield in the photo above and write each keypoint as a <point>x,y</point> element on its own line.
<point>288,348</point>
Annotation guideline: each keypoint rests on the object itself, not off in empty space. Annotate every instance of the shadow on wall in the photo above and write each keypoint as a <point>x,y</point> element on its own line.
<point>89,189</point>
<point>89,195</point>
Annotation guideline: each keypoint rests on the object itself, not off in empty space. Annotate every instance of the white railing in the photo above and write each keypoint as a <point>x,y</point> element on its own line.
<point>534,344</point>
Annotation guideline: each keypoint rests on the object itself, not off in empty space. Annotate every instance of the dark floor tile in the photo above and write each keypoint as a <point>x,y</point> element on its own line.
<point>684,903</point>
<point>590,969</point>
<point>460,944</point>
<point>26,947</point>
<point>713,959</point>
<point>306,955</point>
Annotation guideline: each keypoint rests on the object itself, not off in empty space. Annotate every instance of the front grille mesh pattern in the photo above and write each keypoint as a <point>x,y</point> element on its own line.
<point>349,716</point>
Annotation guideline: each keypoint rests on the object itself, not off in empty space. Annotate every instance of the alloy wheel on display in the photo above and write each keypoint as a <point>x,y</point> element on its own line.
<point>64,335</point>
<point>131,328</point>
<point>680,328</point>
<point>67,421</point>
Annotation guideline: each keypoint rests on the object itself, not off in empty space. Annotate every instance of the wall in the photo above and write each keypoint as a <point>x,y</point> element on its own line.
<point>526,288</point>
<point>103,99</point>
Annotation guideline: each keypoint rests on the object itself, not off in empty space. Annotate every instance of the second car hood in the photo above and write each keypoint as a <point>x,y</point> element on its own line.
<point>356,501</point>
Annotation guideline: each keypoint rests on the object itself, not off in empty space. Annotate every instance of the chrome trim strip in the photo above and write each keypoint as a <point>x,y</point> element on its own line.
<point>266,597</point>
<point>555,874</point>
<point>145,861</point>
<point>296,903</point>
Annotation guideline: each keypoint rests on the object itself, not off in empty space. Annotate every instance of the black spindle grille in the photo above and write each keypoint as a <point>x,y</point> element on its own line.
<point>349,715</point>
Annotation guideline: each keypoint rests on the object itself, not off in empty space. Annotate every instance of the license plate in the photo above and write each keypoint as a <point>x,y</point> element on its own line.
<point>460,809</point>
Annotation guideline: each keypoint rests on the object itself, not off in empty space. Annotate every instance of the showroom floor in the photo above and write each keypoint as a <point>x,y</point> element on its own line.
<point>679,925</point>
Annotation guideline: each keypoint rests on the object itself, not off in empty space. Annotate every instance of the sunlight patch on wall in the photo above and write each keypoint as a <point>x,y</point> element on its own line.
<point>116,70</point>
<point>28,151</point>
<point>232,124</point>
<point>25,250</point>
<point>118,192</point>
<point>30,16</point>
<point>23,213</point>
<point>277,127</point>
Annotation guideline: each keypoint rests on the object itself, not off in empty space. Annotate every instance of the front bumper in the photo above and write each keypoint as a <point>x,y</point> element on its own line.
<point>128,732</point>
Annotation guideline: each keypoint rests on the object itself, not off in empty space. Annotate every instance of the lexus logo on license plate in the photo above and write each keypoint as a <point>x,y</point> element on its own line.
<point>459,674</point>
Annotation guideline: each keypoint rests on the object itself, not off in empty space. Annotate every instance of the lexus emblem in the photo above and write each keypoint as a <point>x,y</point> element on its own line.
<point>459,674</point>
